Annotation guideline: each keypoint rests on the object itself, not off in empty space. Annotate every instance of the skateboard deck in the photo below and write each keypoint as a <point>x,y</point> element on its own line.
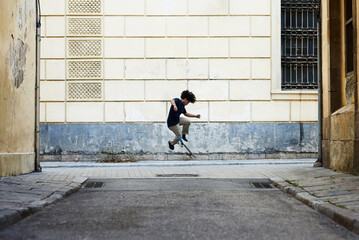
<point>189,151</point>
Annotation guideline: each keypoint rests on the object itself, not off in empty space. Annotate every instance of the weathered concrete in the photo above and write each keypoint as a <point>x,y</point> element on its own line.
<point>17,86</point>
<point>180,208</point>
<point>144,141</point>
<point>340,201</point>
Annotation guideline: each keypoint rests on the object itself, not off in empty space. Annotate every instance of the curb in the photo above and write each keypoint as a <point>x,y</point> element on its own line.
<point>11,216</point>
<point>344,217</point>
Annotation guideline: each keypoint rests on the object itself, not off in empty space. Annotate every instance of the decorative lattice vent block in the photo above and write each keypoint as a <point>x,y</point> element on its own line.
<point>84,48</point>
<point>84,91</point>
<point>81,26</point>
<point>89,7</point>
<point>79,69</point>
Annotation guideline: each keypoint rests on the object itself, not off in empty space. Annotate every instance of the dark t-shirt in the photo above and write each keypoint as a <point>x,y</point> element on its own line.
<point>174,117</point>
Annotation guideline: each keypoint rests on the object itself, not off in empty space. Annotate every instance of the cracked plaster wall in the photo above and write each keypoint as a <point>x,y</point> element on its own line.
<point>17,86</point>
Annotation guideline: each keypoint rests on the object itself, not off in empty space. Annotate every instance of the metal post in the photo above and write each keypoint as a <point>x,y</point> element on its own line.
<point>319,162</point>
<point>37,88</point>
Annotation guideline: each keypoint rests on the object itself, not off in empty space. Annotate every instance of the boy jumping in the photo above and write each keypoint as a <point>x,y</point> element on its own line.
<point>174,120</point>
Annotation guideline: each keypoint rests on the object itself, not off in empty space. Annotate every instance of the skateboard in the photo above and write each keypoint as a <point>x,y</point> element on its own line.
<point>189,151</point>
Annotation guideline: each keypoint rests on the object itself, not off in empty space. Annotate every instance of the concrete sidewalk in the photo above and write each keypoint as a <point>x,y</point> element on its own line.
<point>333,194</point>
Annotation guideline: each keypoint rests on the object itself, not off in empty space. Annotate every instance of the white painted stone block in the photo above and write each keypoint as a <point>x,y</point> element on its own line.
<point>187,26</point>
<point>270,111</point>
<point>52,91</point>
<point>55,112</point>
<point>252,7</point>
<point>145,112</point>
<point>114,26</point>
<point>250,90</point>
<point>42,69</point>
<point>166,47</point>
<point>198,108</point>
<point>261,68</point>
<point>261,26</point>
<point>207,7</point>
<point>124,90</point>
<point>230,111</point>
<point>176,68</point>
<point>84,112</point>
<point>124,47</point>
<point>209,89</point>
<point>52,7</point>
<point>166,7</point>
<point>114,68</point>
<point>124,7</point>
<point>145,69</point>
<point>164,90</point>
<point>197,69</point>
<point>304,111</point>
<point>207,47</point>
<point>55,69</point>
<point>43,26</point>
<point>55,26</point>
<point>250,47</point>
<point>187,69</point>
<point>53,48</point>
<point>42,112</point>
<point>229,26</point>
<point>229,69</point>
<point>145,26</point>
<point>114,112</point>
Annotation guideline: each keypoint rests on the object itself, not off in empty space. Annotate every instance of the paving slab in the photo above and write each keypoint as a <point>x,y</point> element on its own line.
<point>29,193</point>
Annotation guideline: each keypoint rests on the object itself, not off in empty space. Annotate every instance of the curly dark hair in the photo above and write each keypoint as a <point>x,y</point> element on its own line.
<point>189,96</point>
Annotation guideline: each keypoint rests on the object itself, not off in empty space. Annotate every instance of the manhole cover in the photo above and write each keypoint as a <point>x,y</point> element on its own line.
<point>177,175</point>
<point>94,184</point>
<point>261,184</point>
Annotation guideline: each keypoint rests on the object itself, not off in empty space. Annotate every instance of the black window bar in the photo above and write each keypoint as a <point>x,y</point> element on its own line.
<point>299,44</point>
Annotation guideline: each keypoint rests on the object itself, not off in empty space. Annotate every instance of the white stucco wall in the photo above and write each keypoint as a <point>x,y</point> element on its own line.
<point>122,60</point>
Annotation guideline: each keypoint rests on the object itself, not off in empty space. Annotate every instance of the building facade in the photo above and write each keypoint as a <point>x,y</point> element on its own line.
<point>340,85</point>
<point>110,68</point>
<point>17,87</point>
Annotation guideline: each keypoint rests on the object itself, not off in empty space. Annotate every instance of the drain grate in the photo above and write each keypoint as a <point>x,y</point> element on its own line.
<point>261,185</point>
<point>177,175</point>
<point>94,184</point>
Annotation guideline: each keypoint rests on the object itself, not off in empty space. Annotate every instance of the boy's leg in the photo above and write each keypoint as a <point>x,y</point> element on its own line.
<point>175,129</point>
<point>185,122</point>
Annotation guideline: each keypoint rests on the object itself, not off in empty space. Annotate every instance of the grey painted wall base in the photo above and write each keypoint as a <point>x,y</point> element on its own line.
<point>148,141</point>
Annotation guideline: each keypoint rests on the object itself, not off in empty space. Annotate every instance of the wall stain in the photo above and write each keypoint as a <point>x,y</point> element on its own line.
<point>17,60</point>
<point>349,89</point>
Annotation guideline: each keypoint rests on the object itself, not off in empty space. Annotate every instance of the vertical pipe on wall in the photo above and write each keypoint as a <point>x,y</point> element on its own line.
<point>356,94</point>
<point>37,88</point>
<point>319,162</point>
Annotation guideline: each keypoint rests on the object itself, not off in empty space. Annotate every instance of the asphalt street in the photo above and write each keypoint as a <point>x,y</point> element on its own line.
<point>177,208</point>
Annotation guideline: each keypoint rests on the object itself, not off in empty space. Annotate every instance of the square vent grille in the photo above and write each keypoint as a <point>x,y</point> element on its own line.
<point>84,69</point>
<point>94,185</point>
<point>84,26</point>
<point>90,7</point>
<point>84,48</point>
<point>84,91</point>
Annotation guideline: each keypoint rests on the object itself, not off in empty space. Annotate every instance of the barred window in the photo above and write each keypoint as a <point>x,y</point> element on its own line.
<point>299,44</point>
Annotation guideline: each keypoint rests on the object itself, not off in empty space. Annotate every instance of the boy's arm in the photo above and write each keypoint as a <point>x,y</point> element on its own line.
<point>173,103</point>
<point>192,115</point>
